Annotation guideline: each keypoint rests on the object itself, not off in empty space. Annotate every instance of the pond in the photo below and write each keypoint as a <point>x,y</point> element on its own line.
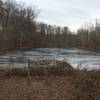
<point>78,58</point>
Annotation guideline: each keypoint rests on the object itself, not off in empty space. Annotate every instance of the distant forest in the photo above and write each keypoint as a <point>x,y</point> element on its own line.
<point>19,29</point>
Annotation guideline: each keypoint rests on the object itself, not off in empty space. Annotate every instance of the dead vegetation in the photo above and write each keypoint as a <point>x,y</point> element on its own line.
<point>40,68</point>
<point>77,85</point>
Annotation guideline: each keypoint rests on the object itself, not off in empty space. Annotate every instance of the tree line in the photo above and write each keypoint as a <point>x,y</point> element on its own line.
<point>19,29</point>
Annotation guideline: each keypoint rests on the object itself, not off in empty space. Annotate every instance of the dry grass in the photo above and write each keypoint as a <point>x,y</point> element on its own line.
<point>17,88</point>
<point>79,85</point>
<point>87,84</point>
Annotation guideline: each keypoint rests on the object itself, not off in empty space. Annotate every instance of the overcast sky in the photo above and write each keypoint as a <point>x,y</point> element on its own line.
<point>71,13</point>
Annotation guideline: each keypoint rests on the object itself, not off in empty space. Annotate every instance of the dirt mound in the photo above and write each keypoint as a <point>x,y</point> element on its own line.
<point>52,67</point>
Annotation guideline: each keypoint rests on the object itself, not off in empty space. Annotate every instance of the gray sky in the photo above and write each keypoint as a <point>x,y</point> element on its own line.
<point>71,13</point>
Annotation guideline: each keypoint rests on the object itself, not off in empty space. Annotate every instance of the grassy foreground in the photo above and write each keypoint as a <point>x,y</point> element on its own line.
<point>76,85</point>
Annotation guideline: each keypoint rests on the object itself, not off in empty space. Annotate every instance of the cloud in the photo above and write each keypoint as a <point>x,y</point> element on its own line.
<point>72,13</point>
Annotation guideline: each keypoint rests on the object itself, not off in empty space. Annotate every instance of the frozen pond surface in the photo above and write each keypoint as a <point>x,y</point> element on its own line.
<point>78,58</point>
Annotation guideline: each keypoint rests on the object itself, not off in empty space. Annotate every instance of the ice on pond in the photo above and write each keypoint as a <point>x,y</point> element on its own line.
<point>78,58</point>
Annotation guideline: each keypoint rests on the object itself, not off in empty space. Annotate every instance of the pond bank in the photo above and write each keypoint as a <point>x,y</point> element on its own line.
<point>78,85</point>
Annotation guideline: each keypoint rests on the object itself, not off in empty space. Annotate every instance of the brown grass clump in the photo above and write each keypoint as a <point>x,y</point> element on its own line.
<point>87,84</point>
